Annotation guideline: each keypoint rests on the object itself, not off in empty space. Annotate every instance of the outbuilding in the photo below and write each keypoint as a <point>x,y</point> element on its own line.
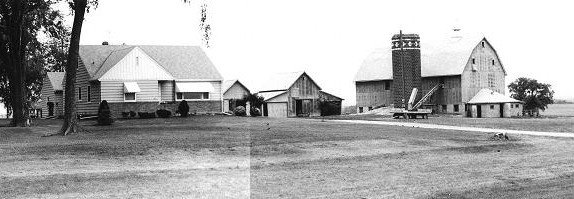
<point>233,90</point>
<point>491,104</point>
<point>293,95</point>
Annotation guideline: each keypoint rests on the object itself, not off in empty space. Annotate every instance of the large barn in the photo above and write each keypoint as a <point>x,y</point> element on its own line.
<point>460,65</point>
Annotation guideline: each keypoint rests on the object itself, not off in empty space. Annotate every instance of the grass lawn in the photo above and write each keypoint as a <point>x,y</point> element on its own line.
<point>546,124</point>
<point>240,157</point>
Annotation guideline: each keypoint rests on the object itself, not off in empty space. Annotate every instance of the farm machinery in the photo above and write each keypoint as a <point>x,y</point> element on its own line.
<point>413,110</point>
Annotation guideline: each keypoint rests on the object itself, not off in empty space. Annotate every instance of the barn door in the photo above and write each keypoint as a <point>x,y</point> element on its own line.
<point>298,107</point>
<point>501,110</point>
<point>50,108</point>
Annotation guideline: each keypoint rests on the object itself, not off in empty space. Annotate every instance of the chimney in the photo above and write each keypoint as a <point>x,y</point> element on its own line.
<point>406,56</point>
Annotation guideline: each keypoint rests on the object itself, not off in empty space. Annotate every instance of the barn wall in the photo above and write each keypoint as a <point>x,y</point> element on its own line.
<point>236,91</point>
<point>450,95</point>
<point>303,88</point>
<point>373,94</point>
<point>482,74</point>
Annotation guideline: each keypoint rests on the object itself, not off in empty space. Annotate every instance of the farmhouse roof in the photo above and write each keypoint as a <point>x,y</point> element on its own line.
<point>56,79</point>
<point>227,84</point>
<point>182,62</point>
<point>438,58</point>
<point>283,81</point>
<point>487,96</point>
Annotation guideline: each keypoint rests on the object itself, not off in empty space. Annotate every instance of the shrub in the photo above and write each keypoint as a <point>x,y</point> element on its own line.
<point>255,112</point>
<point>125,114</point>
<point>145,115</point>
<point>239,111</point>
<point>104,114</point>
<point>183,108</point>
<point>163,113</point>
<point>329,108</point>
<point>132,114</point>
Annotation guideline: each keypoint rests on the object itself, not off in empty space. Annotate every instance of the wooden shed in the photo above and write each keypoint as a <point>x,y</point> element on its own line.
<point>292,95</point>
<point>51,103</point>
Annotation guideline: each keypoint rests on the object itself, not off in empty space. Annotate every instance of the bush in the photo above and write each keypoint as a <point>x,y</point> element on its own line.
<point>125,114</point>
<point>145,115</point>
<point>132,114</point>
<point>163,113</point>
<point>329,108</point>
<point>104,114</point>
<point>239,111</point>
<point>183,108</point>
<point>255,112</point>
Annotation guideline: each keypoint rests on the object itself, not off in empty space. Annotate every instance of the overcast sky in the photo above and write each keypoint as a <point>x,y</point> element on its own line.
<point>329,39</point>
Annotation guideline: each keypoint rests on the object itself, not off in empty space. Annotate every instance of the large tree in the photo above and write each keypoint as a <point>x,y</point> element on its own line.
<point>21,21</point>
<point>535,95</point>
<point>79,7</point>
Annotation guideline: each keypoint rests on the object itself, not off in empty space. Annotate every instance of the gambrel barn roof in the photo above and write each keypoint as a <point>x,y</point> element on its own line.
<point>444,57</point>
<point>182,62</point>
<point>56,79</point>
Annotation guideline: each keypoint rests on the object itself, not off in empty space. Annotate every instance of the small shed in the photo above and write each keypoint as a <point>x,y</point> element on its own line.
<point>233,90</point>
<point>292,95</point>
<point>332,105</point>
<point>490,104</point>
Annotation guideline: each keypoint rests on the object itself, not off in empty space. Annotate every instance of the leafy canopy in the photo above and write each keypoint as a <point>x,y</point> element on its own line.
<point>535,95</point>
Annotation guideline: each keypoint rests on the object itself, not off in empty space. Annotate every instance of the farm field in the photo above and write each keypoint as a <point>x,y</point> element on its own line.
<point>240,157</point>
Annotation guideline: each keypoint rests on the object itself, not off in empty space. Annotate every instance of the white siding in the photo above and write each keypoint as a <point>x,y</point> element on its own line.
<point>136,65</point>
<point>236,91</point>
<point>113,91</point>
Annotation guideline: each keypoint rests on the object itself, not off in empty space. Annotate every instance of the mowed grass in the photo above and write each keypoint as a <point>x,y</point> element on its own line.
<point>545,124</point>
<point>241,157</point>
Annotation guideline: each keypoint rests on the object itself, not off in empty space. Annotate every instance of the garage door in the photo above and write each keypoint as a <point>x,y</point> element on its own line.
<point>277,109</point>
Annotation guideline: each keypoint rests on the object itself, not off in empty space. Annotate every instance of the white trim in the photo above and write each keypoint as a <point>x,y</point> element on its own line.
<point>135,97</point>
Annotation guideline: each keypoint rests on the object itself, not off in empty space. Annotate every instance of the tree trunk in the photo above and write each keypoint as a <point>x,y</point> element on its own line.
<point>70,119</point>
<point>18,71</point>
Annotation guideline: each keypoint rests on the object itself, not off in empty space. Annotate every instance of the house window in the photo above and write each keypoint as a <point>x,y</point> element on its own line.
<point>137,61</point>
<point>493,62</point>
<point>491,81</point>
<point>456,108</point>
<point>48,99</point>
<point>443,108</point>
<point>80,93</point>
<point>370,108</point>
<point>129,96</point>
<point>511,105</point>
<point>89,94</point>
<point>192,95</point>
<point>492,107</point>
<point>360,109</point>
<point>483,44</point>
<point>473,61</point>
<point>387,86</point>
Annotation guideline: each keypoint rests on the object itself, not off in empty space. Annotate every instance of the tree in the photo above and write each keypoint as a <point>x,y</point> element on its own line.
<point>20,51</point>
<point>255,103</point>
<point>535,95</point>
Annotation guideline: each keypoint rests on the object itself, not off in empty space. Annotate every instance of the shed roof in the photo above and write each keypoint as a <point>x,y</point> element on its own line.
<point>329,95</point>
<point>270,95</point>
<point>182,62</point>
<point>442,57</point>
<point>487,96</point>
<point>56,79</point>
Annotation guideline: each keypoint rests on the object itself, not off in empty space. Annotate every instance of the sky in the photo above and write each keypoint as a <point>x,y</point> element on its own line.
<point>329,39</point>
